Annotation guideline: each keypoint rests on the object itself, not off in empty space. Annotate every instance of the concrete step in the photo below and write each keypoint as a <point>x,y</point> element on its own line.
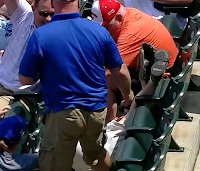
<point>187,135</point>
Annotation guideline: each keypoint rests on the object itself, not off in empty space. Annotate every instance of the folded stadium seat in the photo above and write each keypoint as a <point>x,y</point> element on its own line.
<point>133,158</point>
<point>182,10</point>
<point>18,109</point>
<point>142,125</point>
<point>191,30</point>
<point>155,159</point>
<point>162,133</point>
<point>129,156</point>
<point>172,26</point>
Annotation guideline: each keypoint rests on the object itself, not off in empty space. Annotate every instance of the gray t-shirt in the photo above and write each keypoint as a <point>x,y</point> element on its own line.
<point>18,162</point>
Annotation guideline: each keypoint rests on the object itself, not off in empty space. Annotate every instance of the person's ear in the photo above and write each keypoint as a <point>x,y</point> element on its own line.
<point>79,4</point>
<point>33,7</point>
<point>52,4</point>
<point>119,18</point>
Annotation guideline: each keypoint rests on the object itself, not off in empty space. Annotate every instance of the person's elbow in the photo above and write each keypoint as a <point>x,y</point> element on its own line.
<point>121,71</point>
<point>26,80</point>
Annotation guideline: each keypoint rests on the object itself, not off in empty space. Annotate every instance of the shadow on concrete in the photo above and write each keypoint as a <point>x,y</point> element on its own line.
<point>191,102</point>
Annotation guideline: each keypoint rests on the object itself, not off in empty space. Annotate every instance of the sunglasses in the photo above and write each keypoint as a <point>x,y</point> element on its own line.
<point>46,14</point>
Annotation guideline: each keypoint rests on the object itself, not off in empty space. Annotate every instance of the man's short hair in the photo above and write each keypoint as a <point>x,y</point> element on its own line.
<point>37,2</point>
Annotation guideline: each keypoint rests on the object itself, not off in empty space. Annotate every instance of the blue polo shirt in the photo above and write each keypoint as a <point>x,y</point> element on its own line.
<point>69,55</point>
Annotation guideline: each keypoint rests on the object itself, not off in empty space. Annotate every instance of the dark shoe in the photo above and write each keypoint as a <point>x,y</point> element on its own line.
<point>161,62</point>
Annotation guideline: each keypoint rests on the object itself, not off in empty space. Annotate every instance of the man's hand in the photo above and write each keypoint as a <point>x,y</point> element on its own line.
<point>3,111</point>
<point>128,100</point>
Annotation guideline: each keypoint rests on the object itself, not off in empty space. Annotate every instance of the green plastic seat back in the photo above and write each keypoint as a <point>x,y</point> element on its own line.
<point>129,155</point>
<point>182,10</point>
<point>131,167</point>
<point>170,22</point>
<point>189,32</point>
<point>18,109</point>
<point>155,159</point>
<point>132,151</point>
<point>141,117</point>
<point>173,94</point>
<point>162,133</point>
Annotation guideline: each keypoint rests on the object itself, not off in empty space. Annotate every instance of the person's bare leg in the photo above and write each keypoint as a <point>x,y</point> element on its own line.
<point>104,163</point>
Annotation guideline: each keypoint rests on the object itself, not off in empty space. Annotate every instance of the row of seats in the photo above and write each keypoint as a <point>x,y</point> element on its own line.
<point>147,137</point>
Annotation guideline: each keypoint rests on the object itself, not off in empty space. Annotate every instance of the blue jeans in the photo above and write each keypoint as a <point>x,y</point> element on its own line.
<point>5,32</point>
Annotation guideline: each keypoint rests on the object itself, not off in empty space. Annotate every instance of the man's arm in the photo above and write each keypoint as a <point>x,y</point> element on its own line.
<point>29,67</point>
<point>26,80</point>
<point>123,81</point>
<point>114,63</point>
<point>3,10</point>
<point>174,2</point>
<point>11,5</point>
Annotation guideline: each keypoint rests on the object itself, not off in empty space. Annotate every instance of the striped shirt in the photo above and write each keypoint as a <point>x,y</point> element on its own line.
<point>23,27</point>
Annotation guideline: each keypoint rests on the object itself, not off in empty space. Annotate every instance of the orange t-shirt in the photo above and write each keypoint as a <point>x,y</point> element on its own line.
<point>138,28</point>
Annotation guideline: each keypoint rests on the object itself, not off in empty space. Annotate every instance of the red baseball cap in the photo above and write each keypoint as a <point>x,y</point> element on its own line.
<point>103,11</point>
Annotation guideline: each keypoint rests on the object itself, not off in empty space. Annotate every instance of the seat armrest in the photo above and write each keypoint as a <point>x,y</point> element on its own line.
<point>174,9</point>
<point>132,160</point>
<point>139,128</point>
<point>25,94</point>
<point>140,100</point>
<point>196,17</point>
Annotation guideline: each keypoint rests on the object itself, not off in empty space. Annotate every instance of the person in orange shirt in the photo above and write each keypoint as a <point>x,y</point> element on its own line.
<point>130,28</point>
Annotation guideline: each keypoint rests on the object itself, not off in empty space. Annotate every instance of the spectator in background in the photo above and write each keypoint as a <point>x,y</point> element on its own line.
<point>147,6</point>
<point>24,22</point>
<point>75,91</point>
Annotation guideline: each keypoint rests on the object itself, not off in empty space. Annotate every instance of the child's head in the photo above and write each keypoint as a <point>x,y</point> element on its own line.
<point>11,130</point>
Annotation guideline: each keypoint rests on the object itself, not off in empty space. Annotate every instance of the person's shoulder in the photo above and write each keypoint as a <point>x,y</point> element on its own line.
<point>42,30</point>
<point>31,160</point>
<point>94,27</point>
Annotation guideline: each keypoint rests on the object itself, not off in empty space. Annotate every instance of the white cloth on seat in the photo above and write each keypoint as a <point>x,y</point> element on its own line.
<point>113,131</point>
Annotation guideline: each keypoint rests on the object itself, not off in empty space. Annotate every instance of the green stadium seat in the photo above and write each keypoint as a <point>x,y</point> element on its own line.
<point>18,109</point>
<point>182,10</point>
<point>143,125</point>
<point>155,159</point>
<point>129,156</point>
<point>133,158</point>
<point>162,134</point>
<point>172,26</point>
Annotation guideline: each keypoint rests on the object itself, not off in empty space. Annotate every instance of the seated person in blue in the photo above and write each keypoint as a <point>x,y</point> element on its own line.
<point>11,130</point>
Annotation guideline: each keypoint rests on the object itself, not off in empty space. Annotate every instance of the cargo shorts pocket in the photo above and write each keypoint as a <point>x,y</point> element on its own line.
<point>46,158</point>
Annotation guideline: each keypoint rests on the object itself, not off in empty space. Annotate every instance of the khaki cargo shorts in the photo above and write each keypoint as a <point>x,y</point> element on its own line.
<point>62,132</point>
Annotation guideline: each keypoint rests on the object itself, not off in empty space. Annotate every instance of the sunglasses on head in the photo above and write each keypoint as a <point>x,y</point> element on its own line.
<point>46,14</point>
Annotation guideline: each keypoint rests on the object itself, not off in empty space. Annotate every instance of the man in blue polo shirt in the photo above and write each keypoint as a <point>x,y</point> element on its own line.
<point>69,56</point>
